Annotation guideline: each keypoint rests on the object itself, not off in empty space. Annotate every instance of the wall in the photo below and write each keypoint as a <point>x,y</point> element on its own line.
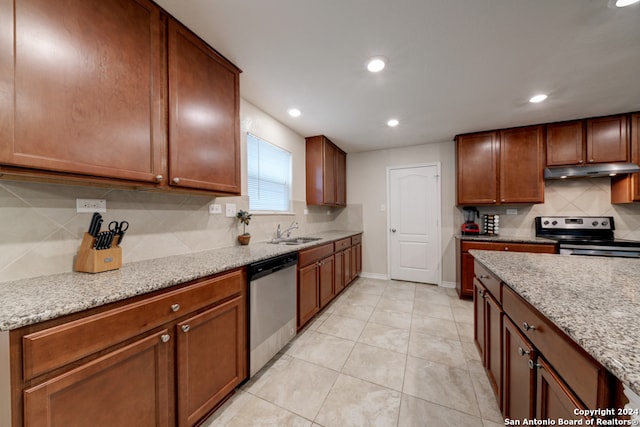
<point>367,186</point>
<point>40,231</point>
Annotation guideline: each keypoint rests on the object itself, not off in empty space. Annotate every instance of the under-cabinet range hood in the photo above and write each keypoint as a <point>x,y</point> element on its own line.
<point>590,171</point>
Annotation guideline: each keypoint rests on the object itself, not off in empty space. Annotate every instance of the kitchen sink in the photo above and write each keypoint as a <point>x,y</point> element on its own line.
<point>295,240</point>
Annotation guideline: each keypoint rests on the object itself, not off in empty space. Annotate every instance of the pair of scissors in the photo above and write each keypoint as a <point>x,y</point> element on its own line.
<point>118,229</point>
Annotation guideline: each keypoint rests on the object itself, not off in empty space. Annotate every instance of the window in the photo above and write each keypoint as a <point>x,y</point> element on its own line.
<point>269,176</point>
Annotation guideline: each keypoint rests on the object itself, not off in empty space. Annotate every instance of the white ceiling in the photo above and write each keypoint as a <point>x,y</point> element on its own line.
<point>454,66</point>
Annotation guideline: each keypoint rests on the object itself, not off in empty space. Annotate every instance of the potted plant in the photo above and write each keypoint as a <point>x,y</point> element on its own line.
<point>244,217</point>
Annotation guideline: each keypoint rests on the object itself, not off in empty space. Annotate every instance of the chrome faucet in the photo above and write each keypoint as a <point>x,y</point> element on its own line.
<point>286,233</point>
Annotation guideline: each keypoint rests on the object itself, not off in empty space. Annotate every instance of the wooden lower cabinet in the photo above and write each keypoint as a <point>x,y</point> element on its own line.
<point>338,272</point>
<point>554,400</point>
<point>308,296</point>
<point>211,358</point>
<point>325,280</point>
<point>126,387</point>
<point>479,317</point>
<point>518,379</point>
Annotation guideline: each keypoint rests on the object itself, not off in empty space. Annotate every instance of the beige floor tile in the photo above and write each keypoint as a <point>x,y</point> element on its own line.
<point>324,350</point>
<point>470,351</point>
<point>372,286</point>
<point>298,386</point>
<point>462,314</point>
<point>403,305</point>
<point>361,312</point>
<point>354,402</point>
<point>401,293</point>
<point>358,297</point>
<point>342,327</point>
<point>417,412</point>
<point>431,295</point>
<point>487,423</point>
<point>487,402</point>
<point>441,384</point>
<point>434,326</point>
<point>387,337</point>
<point>430,309</point>
<point>437,349</point>
<point>377,365</point>
<point>396,319</point>
<point>465,330</point>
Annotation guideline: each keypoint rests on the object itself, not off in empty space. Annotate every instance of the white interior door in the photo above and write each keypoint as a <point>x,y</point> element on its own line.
<point>414,223</point>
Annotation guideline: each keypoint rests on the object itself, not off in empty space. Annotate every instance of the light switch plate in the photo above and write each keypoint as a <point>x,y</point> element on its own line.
<point>512,211</point>
<point>230,209</point>
<point>215,208</point>
<point>91,205</point>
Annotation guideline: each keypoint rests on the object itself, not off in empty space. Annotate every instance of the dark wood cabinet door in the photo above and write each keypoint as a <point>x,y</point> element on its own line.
<point>493,345</point>
<point>129,386</point>
<point>607,139</point>
<point>518,379</point>
<point>348,265</point>
<point>341,177</point>
<point>626,188</point>
<point>479,295</point>
<point>86,83</point>
<point>329,173</point>
<point>554,400</point>
<point>308,303</point>
<point>325,280</point>
<point>357,260</point>
<point>521,165</point>
<point>566,143</point>
<point>477,170</point>
<point>338,269</point>
<point>204,128</point>
<point>466,275</point>
<point>211,358</point>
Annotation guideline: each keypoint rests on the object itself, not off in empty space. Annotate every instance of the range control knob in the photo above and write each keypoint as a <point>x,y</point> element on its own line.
<point>546,223</point>
<point>554,223</point>
<point>594,223</point>
<point>605,223</point>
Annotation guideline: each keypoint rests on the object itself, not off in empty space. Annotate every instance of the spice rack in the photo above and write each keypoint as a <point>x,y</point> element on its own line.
<point>91,260</point>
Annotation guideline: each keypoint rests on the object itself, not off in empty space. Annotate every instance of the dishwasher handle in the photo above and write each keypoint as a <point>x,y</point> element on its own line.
<point>271,265</point>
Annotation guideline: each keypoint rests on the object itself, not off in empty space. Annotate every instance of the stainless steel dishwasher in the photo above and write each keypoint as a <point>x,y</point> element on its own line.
<point>272,308</point>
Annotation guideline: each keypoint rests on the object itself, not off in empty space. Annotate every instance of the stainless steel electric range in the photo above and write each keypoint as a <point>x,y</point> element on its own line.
<point>586,235</point>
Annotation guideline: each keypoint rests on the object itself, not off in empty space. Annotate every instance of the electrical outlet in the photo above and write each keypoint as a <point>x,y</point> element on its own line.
<point>306,211</point>
<point>230,209</point>
<point>91,205</point>
<point>512,211</point>
<point>215,208</point>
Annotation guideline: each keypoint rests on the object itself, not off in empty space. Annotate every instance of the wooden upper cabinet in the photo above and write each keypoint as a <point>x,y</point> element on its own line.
<point>86,83</point>
<point>521,165</point>
<point>204,103</point>
<point>566,143</point>
<point>477,162</point>
<point>626,188</point>
<point>326,172</point>
<point>607,139</point>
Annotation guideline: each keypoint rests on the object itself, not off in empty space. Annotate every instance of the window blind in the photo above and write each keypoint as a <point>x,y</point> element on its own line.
<point>269,176</point>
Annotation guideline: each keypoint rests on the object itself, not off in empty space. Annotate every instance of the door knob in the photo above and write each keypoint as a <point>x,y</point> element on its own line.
<point>393,230</point>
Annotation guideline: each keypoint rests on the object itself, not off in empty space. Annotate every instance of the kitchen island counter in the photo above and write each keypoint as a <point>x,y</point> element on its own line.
<point>30,301</point>
<point>594,300</point>
<point>505,238</point>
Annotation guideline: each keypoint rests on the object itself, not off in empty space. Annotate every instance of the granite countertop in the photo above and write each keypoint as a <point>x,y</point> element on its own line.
<point>505,238</point>
<point>594,300</point>
<point>34,300</point>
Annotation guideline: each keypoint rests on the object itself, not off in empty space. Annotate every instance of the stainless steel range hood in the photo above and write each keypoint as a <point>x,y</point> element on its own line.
<point>590,171</point>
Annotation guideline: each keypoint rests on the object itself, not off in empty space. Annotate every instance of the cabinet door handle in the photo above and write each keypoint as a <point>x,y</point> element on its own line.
<point>533,365</point>
<point>176,180</point>
<point>522,351</point>
<point>165,337</point>
<point>484,276</point>
<point>175,307</point>
<point>159,178</point>
<point>185,328</point>
<point>527,326</point>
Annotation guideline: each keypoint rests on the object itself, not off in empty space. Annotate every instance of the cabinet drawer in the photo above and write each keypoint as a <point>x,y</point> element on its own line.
<point>309,256</point>
<point>342,244</point>
<point>356,239</point>
<point>506,246</point>
<point>583,375</point>
<point>491,282</point>
<point>54,347</point>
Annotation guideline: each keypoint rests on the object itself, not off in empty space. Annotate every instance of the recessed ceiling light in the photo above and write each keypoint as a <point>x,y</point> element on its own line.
<point>538,98</point>
<point>376,64</point>
<point>393,123</point>
<point>294,112</point>
<point>623,3</point>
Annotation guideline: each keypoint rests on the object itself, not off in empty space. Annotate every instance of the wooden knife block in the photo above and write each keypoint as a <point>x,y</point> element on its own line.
<point>90,260</point>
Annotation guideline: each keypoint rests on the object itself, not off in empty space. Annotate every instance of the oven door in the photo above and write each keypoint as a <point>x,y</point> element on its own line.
<point>599,250</point>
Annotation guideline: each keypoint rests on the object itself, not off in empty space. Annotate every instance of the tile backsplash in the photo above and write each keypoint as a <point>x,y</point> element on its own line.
<point>586,197</point>
<point>40,231</point>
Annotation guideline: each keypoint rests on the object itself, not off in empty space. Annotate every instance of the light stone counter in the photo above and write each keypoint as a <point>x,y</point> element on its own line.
<point>30,301</point>
<point>505,238</point>
<point>594,300</point>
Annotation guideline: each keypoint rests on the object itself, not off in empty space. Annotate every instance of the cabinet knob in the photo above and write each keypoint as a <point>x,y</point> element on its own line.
<point>506,248</point>
<point>484,276</point>
<point>159,178</point>
<point>176,180</point>
<point>522,351</point>
<point>165,337</point>
<point>533,365</point>
<point>185,328</point>
<point>175,307</point>
<point>527,326</point>
<point>580,161</point>
<point>590,160</point>
<point>494,201</point>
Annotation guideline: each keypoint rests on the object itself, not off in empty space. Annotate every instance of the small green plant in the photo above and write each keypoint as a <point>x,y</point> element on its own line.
<point>244,217</point>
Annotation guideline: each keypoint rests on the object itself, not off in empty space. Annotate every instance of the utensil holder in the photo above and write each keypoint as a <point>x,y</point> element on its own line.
<point>90,260</point>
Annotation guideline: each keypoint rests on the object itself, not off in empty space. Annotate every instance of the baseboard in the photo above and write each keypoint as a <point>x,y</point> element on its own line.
<point>451,285</point>
<point>374,276</point>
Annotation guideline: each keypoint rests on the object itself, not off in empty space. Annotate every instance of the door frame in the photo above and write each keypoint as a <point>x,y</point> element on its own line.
<point>438,214</point>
